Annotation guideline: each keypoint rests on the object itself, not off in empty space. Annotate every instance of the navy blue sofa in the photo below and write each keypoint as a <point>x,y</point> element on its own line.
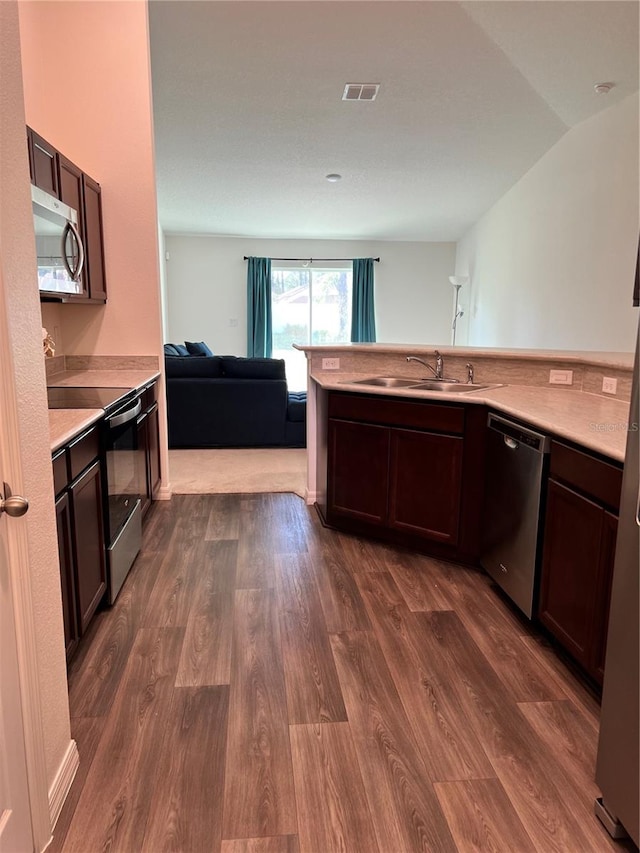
<point>226,401</point>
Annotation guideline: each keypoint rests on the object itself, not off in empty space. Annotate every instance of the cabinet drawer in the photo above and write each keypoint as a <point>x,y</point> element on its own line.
<point>82,451</point>
<point>60,470</point>
<point>387,411</point>
<point>592,476</point>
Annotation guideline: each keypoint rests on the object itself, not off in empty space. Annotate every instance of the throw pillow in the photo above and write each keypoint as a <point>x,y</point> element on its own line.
<point>170,349</point>
<point>182,350</point>
<point>197,348</point>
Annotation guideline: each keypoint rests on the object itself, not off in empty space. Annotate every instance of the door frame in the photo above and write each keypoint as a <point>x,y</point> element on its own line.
<point>20,578</point>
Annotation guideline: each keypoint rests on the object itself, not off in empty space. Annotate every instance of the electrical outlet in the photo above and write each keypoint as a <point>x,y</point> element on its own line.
<point>609,385</point>
<point>561,377</point>
<point>331,364</point>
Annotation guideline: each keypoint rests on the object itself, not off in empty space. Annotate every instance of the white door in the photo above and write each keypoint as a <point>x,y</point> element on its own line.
<point>15,817</point>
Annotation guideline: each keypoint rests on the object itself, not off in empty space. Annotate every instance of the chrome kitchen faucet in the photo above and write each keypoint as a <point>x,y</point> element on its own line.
<point>438,370</point>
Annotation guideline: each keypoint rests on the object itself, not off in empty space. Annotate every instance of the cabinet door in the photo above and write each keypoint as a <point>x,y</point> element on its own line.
<point>358,471</point>
<point>88,542</point>
<point>570,569</point>
<point>426,484</point>
<point>153,444</point>
<point>43,164</point>
<point>93,243</point>
<point>70,185</point>
<point>67,581</point>
<point>143,450</point>
<point>603,596</point>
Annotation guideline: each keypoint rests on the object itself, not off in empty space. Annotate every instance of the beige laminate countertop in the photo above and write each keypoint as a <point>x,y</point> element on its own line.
<point>64,424</point>
<point>594,422</point>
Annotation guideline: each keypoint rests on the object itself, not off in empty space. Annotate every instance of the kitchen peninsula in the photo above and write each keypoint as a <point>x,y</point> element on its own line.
<point>411,467</point>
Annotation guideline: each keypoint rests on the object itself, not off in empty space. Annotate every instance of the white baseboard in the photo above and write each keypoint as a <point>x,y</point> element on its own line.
<point>63,780</point>
<point>310,497</point>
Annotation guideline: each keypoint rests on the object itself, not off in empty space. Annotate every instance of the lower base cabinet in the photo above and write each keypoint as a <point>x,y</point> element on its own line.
<point>397,467</point>
<point>83,578</point>
<point>149,445</point>
<point>578,554</point>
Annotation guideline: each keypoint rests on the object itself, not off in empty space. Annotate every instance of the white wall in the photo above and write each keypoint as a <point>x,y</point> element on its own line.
<point>552,262</point>
<point>206,286</point>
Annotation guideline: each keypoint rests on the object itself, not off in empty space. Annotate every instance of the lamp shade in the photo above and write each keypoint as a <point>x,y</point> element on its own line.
<point>459,280</point>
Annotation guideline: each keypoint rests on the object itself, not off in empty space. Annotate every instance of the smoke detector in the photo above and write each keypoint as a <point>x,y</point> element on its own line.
<point>360,91</point>
<point>603,88</point>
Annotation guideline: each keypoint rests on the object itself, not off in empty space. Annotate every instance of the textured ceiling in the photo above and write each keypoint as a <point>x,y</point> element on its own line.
<point>249,117</point>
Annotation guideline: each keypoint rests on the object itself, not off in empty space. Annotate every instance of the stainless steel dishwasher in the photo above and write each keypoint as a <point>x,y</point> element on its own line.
<point>514,481</point>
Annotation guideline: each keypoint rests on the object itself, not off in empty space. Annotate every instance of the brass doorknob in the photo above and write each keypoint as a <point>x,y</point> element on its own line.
<point>15,506</point>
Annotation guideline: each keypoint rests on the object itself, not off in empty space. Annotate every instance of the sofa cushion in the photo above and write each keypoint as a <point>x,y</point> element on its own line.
<point>197,348</point>
<point>253,368</point>
<point>197,368</point>
<point>297,406</point>
<point>171,349</point>
<point>182,350</point>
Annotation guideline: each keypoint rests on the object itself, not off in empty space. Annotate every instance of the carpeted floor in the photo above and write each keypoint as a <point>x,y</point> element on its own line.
<point>238,471</point>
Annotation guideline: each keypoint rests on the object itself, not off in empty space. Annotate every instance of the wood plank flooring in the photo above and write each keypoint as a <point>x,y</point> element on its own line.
<point>265,685</point>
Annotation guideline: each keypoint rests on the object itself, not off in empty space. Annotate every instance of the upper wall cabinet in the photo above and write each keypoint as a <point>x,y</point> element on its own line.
<point>53,172</point>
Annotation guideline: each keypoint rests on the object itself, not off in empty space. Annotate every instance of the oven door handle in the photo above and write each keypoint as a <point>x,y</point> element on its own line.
<point>124,417</point>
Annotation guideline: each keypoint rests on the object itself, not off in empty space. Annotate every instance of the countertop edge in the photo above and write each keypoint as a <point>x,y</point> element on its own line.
<point>601,441</point>
<point>66,424</point>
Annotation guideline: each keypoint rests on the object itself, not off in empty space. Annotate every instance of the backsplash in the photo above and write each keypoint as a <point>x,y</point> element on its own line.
<point>507,369</point>
<point>60,363</point>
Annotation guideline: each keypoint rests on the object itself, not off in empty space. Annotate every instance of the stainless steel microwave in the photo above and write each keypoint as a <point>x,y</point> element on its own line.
<point>59,248</point>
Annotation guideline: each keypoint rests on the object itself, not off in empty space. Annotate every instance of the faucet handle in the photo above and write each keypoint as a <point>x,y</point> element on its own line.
<point>469,373</point>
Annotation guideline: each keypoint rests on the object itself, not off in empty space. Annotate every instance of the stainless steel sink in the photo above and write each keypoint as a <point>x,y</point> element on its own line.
<point>386,381</point>
<point>448,387</point>
<point>440,385</point>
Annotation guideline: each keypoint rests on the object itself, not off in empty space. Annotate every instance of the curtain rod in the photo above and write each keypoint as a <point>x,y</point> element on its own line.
<point>311,260</point>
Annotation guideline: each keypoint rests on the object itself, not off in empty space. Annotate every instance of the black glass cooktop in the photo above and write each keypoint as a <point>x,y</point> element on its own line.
<point>62,397</point>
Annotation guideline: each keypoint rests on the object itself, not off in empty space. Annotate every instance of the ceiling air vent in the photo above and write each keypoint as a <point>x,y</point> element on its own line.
<point>360,91</point>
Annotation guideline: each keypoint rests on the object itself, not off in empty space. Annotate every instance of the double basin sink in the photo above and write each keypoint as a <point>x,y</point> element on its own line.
<point>441,385</point>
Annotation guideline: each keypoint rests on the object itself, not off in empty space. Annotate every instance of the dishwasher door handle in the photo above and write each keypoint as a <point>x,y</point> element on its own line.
<point>511,443</point>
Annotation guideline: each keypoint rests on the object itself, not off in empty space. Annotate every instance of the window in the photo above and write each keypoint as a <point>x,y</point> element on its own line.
<point>309,306</point>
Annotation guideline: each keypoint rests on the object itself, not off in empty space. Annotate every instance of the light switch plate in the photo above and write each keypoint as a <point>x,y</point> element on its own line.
<point>561,377</point>
<point>609,385</point>
<point>331,364</point>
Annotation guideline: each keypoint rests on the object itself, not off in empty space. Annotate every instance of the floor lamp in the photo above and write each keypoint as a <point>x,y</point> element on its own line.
<point>457,281</point>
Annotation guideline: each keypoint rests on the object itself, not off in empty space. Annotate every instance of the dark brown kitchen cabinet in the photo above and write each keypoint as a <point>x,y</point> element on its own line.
<point>94,244</point>
<point>359,471</point>
<point>578,553</point>
<point>77,477</point>
<point>88,542</point>
<point>149,444</point>
<point>52,171</point>
<point>426,484</point>
<point>396,468</point>
<point>67,583</point>
<point>42,163</point>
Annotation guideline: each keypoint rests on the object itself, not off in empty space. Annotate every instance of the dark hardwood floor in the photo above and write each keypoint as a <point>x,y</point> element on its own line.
<point>265,685</point>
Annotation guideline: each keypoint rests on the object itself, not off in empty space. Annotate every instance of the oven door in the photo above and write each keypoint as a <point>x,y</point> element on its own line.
<point>125,484</point>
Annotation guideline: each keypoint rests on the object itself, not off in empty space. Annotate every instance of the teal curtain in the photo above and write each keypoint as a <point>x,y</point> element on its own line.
<point>259,337</point>
<point>363,317</point>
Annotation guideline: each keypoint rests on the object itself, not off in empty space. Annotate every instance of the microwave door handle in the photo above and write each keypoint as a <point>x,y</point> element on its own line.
<point>63,251</point>
<point>124,417</point>
<point>78,271</point>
